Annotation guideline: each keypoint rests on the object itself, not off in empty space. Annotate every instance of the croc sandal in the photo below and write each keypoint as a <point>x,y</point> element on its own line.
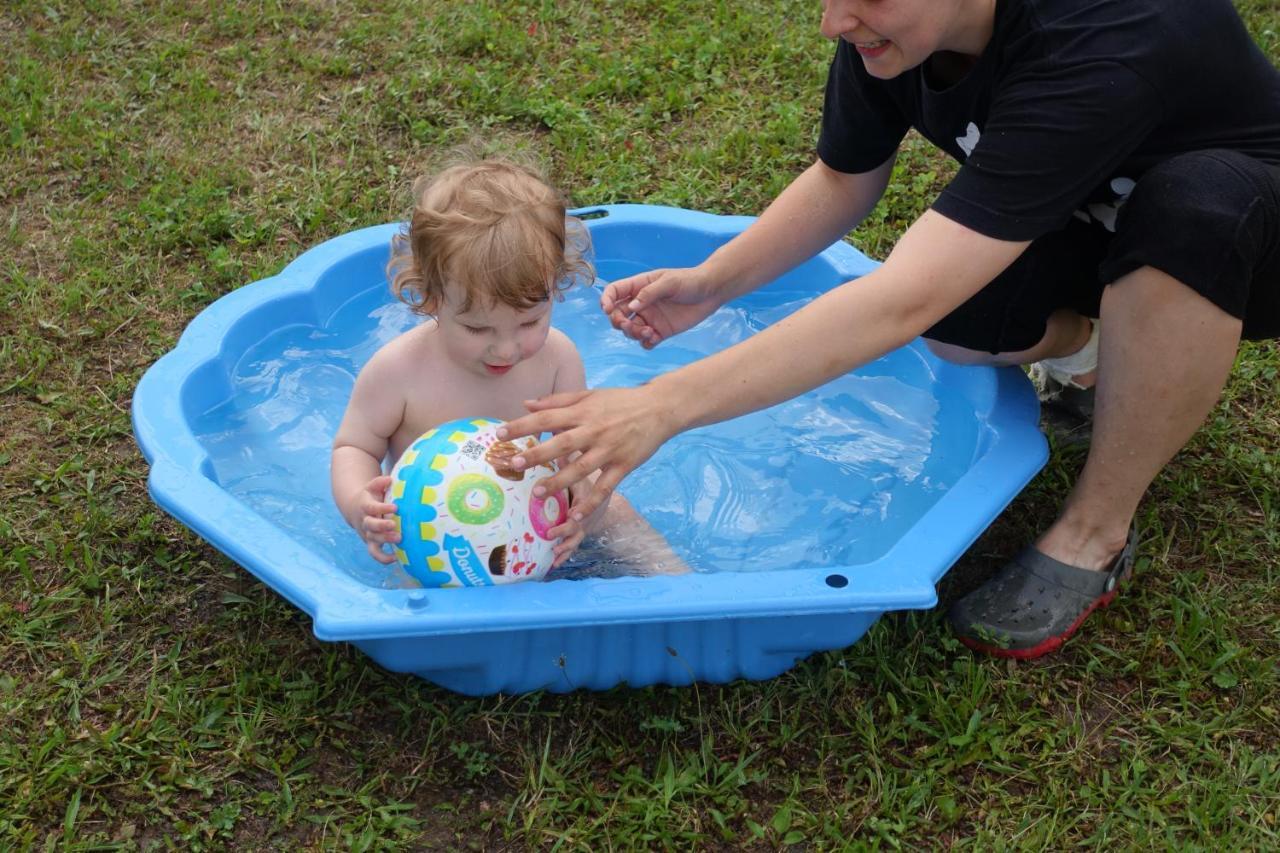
<point>1035,603</point>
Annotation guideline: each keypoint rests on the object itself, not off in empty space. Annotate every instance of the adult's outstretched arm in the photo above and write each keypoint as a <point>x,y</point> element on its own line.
<point>816,209</point>
<point>935,267</point>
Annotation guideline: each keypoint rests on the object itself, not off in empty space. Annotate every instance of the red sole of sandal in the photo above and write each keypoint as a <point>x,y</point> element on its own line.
<point>1044,647</point>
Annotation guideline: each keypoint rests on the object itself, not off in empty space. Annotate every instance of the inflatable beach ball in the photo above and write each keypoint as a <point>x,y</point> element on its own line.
<point>466,517</point>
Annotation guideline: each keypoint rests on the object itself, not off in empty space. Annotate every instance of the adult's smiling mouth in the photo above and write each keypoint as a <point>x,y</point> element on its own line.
<point>871,48</point>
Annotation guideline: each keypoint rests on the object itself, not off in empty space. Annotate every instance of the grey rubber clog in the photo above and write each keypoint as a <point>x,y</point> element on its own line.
<point>1035,603</point>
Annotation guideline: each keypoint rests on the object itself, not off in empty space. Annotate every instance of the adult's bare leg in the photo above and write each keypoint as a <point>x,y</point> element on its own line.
<point>1066,332</point>
<point>1165,354</point>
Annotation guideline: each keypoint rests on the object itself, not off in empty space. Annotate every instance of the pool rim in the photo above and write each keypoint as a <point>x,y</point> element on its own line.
<point>344,608</point>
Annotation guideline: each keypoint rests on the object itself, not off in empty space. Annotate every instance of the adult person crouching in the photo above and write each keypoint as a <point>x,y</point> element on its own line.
<point>1114,220</point>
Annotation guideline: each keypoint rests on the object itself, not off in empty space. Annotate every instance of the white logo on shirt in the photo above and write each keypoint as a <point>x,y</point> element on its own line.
<point>970,139</point>
<point>1105,214</point>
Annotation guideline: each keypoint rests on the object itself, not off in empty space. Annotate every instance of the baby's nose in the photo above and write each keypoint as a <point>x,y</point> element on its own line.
<point>505,350</point>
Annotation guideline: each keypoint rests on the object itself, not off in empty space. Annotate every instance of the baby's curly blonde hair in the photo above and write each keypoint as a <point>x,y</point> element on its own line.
<point>495,229</point>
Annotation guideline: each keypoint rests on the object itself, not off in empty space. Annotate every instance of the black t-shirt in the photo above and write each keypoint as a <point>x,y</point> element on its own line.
<point>1070,102</point>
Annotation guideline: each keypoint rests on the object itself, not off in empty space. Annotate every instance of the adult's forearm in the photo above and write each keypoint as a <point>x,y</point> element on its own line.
<point>936,266</point>
<point>827,338</point>
<point>814,211</point>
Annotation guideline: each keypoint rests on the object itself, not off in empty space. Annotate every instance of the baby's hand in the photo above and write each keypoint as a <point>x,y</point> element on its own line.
<point>572,532</point>
<point>375,528</point>
<point>570,535</point>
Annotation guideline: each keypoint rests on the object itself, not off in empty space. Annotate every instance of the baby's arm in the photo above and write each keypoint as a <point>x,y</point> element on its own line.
<point>359,486</point>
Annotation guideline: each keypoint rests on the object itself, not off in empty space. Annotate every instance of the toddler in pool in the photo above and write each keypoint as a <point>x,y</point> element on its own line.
<point>487,251</point>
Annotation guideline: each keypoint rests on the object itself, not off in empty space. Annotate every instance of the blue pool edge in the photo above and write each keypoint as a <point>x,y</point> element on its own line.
<point>180,483</point>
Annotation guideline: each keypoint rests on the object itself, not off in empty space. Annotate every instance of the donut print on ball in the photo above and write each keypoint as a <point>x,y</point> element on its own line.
<point>547,513</point>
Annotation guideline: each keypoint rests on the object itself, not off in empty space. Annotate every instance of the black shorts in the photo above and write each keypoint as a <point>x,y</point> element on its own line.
<point>1210,219</point>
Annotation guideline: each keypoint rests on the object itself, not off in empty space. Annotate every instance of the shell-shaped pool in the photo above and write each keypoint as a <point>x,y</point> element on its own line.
<point>803,523</point>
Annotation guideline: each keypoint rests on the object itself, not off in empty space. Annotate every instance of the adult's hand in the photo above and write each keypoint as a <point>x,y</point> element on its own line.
<point>655,305</point>
<point>614,429</point>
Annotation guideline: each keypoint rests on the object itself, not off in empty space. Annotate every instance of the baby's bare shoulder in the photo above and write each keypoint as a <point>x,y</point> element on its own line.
<point>559,345</point>
<point>403,355</point>
<point>569,373</point>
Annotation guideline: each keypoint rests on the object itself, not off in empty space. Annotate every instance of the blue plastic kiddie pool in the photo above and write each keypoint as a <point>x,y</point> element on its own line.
<point>804,522</point>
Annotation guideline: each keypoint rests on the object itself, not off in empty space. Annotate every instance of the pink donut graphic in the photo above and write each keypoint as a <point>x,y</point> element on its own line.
<point>546,513</point>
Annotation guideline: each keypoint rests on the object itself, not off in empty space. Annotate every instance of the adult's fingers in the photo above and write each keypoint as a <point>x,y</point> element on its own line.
<point>566,477</point>
<point>617,294</point>
<point>548,414</point>
<point>622,321</point>
<point>647,336</point>
<point>548,452</point>
<point>657,288</point>
<point>561,444</point>
<point>612,428</point>
<point>555,401</point>
<point>638,330</point>
<point>603,488</point>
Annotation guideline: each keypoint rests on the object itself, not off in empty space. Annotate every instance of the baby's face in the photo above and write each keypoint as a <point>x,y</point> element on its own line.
<point>490,340</point>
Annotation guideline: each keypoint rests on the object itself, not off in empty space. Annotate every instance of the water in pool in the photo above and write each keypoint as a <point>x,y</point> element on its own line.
<point>833,478</point>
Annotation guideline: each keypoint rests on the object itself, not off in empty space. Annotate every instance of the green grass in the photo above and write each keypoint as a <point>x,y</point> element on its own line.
<point>155,156</point>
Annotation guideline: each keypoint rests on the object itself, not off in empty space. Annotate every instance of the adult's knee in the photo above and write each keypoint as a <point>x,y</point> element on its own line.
<point>1199,196</point>
<point>1210,220</point>
<point>947,352</point>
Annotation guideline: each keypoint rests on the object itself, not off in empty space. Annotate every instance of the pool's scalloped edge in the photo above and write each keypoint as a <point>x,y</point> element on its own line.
<point>558,635</point>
